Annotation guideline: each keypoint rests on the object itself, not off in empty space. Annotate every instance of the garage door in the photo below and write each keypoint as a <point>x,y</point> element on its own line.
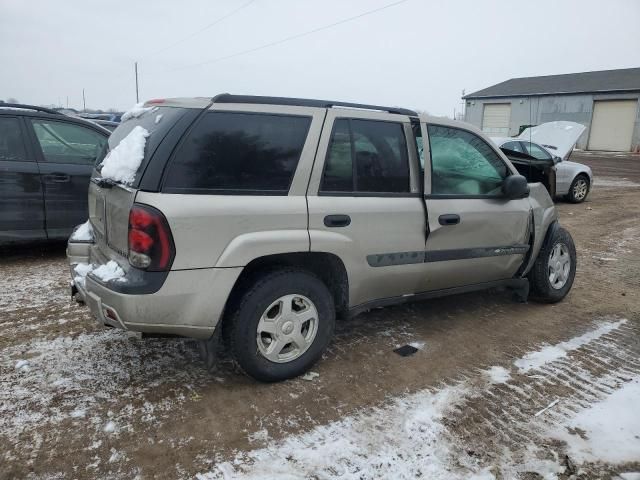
<point>495,119</point>
<point>612,125</point>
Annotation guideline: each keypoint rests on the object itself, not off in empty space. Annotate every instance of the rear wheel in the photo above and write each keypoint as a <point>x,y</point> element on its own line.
<point>554,270</point>
<point>579,189</point>
<point>282,325</point>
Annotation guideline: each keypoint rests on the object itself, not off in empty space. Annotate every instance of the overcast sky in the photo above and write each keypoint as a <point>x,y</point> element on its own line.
<point>418,53</point>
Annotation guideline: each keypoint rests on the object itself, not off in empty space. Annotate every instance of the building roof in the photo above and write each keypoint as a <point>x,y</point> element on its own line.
<point>623,80</point>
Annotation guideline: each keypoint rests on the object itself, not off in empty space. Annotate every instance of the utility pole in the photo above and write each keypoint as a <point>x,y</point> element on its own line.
<point>136,69</point>
<point>67,101</point>
<point>84,103</point>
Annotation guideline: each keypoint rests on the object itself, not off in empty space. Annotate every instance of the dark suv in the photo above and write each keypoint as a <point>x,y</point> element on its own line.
<point>46,160</point>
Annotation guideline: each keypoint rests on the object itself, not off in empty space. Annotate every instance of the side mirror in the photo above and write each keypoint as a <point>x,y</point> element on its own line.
<point>515,186</point>
<point>557,159</point>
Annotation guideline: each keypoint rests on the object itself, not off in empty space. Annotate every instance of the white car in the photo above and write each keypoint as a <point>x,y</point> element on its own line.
<point>554,141</point>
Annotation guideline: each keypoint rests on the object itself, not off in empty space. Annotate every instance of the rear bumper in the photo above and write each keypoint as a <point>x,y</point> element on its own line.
<point>188,303</point>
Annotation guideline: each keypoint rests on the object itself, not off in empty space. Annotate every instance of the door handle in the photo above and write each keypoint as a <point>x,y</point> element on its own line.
<point>337,220</point>
<point>58,178</point>
<point>449,219</point>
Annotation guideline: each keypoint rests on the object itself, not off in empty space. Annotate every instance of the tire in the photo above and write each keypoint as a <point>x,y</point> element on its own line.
<point>545,287</point>
<point>261,324</point>
<point>579,189</point>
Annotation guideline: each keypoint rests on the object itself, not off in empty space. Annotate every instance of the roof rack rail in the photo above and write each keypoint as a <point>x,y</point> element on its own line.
<point>304,102</point>
<point>30,107</point>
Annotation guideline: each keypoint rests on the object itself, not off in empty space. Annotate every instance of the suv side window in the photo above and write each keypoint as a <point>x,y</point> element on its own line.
<point>536,152</point>
<point>11,142</point>
<point>379,149</point>
<point>229,152</point>
<point>63,142</point>
<point>463,164</point>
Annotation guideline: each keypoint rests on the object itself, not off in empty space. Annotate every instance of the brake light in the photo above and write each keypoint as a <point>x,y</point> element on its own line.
<point>150,241</point>
<point>155,101</point>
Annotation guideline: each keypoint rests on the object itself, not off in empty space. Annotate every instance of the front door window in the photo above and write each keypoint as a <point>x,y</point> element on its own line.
<point>463,164</point>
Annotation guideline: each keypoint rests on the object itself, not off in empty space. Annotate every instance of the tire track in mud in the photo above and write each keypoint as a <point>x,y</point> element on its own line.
<point>497,423</point>
<point>503,417</point>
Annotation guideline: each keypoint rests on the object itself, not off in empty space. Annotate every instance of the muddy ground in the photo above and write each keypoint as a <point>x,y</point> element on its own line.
<point>80,401</point>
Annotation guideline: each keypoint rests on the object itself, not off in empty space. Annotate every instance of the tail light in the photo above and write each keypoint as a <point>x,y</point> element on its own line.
<point>150,241</point>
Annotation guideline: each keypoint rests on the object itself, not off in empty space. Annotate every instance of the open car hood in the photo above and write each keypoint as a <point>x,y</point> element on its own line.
<point>558,137</point>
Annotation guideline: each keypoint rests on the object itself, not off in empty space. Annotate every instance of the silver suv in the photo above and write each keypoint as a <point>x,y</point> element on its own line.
<point>263,219</point>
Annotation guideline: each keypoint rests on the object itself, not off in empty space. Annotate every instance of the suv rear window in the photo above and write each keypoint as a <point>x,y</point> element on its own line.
<point>248,153</point>
<point>158,121</point>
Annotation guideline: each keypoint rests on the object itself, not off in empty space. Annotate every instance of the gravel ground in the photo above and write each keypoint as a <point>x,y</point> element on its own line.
<point>81,401</point>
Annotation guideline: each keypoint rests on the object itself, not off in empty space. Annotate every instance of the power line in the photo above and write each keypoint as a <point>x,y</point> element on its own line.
<point>206,27</point>
<point>292,37</point>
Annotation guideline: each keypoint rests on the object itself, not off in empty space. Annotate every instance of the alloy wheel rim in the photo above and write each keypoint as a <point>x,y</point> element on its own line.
<point>559,266</point>
<point>287,328</point>
<point>580,189</point>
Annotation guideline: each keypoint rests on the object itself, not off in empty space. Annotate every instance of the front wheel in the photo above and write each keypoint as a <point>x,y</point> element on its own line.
<point>554,270</point>
<point>579,189</point>
<point>282,325</point>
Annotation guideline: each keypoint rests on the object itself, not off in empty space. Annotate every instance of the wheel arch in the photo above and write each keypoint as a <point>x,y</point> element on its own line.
<point>328,267</point>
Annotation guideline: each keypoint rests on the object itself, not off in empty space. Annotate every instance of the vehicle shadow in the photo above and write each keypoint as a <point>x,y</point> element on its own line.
<point>12,253</point>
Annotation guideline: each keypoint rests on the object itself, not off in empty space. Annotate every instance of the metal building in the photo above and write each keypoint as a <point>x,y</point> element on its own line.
<point>606,102</point>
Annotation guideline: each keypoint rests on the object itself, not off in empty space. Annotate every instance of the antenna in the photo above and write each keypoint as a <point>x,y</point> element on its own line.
<point>136,70</point>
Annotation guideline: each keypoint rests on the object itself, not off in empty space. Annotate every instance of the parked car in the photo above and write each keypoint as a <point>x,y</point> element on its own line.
<point>46,160</point>
<point>109,117</point>
<point>109,125</point>
<point>262,218</point>
<point>552,143</point>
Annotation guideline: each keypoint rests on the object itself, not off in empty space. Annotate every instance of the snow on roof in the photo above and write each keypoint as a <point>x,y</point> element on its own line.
<point>136,111</point>
<point>122,163</point>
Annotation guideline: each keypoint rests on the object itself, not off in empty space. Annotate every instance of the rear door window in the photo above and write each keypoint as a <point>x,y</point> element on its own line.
<point>232,152</point>
<point>63,142</point>
<point>11,140</point>
<point>366,156</point>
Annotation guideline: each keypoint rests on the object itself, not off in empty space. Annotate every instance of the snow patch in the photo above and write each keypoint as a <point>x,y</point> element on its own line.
<point>84,233</point>
<point>122,163</point>
<point>611,428</point>
<point>378,444</point>
<point>109,427</point>
<point>497,374</point>
<point>158,118</point>
<point>630,476</point>
<point>259,436</point>
<point>22,365</point>
<point>614,182</point>
<point>78,413</point>
<point>81,270</point>
<point>418,345</point>
<point>109,271</point>
<point>310,376</point>
<point>136,111</point>
<point>551,353</point>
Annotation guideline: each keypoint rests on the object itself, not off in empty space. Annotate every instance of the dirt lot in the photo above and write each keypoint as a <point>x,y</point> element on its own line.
<point>79,401</point>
